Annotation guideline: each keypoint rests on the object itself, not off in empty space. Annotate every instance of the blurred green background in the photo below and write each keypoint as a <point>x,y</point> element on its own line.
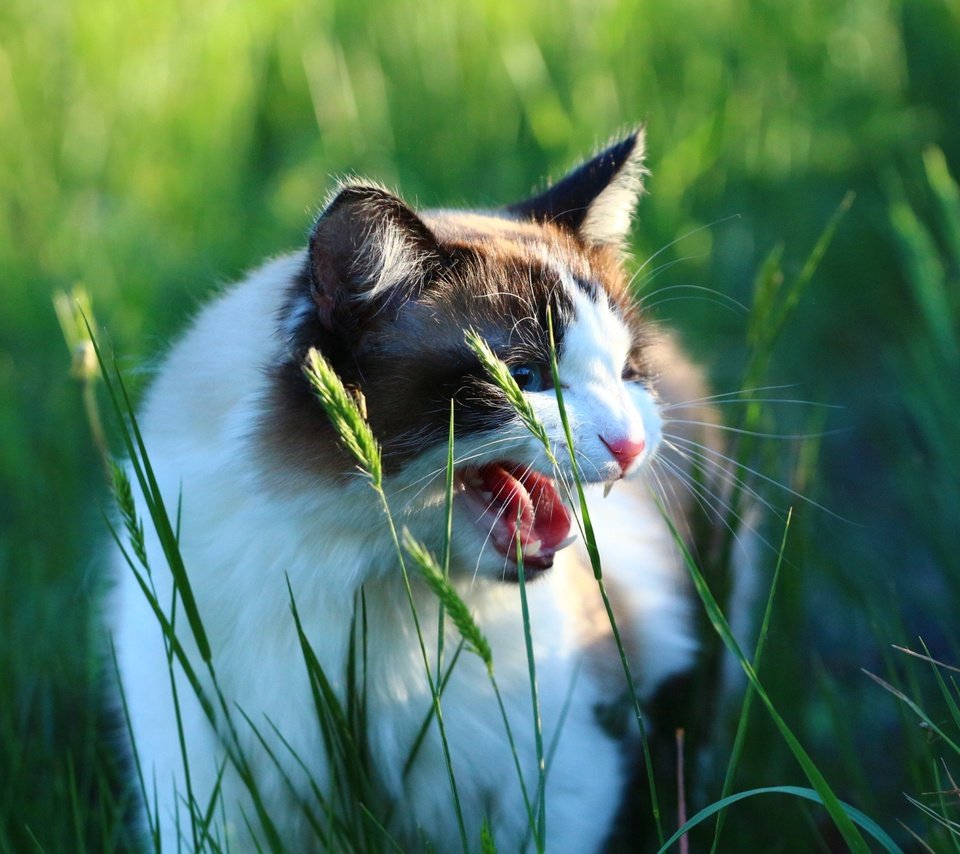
<point>152,151</point>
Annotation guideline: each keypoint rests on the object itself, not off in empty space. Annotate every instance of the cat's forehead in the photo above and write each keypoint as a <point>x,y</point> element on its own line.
<point>535,256</point>
<point>483,227</point>
<point>510,281</point>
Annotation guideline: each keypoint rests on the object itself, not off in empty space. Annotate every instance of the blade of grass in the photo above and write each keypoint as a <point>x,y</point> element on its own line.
<point>343,751</point>
<point>590,540</point>
<point>919,712</point>
<point>304,807</point>
<point>428,718</point>
<point>950,825</point>
<point>847,828</point>
<point>740,737</point>
<point>944,808</point>
<point>356,436</point>
<point>472,637</point>
<point>947,193</point>
<point>166,627</point>
<point>500,375</point>
<point>540,838</point>
<point>926,273</point>
<point>774,301</point>
<point>182,591</point>
<point>153,826</point>
<point>137,453</point>
<point>206,820</point>
<point>487,845</point>
<point>944,688</point>
<point>926,658</point>
<point>447,534</point>
<point>855,816</point>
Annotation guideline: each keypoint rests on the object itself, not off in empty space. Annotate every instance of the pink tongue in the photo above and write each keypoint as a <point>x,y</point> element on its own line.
<point>534,498</point>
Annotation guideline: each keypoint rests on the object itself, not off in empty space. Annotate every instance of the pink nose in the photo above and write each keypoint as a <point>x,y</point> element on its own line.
<point>624,451</point>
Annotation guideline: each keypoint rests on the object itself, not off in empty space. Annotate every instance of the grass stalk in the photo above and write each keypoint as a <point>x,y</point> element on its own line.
<point>181,593</point>
<point>447,534</point>
<point>837,812</point>
<point>140,461</point>
<point>774,301</point>
<point>500,375</point>
<point>434,690</point>
<point>356,436</point>
<point>856,817</point>
<point>593,551</point>
<point>72,310</point>
<point>471,638</point>
<point>428,717</point>
<point>541,829</point>
<point>744,717</point>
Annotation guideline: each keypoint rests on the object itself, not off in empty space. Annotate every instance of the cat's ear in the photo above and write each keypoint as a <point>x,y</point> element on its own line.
<point>596,200</point>
<point>368,251</point>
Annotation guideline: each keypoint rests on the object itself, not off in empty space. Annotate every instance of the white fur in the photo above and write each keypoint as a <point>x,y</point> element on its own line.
<point>246,532</point>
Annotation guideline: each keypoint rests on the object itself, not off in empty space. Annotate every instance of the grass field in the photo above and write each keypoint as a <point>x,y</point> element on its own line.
<point>149,152</point>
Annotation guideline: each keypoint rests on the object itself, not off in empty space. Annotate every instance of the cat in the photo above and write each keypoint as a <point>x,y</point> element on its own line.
<point>271,510</point>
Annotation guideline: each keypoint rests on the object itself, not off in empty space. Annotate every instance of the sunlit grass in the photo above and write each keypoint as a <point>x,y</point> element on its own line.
<point>148,152</point>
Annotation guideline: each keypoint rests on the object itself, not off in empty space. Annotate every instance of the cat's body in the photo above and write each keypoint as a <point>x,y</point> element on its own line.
<point>265,496</point>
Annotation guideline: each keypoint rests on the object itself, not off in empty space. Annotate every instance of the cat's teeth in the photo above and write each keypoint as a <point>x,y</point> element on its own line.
<point>568,541</point>
<point>532,549</point>
<point>606,488</point>
<point>486,495</point>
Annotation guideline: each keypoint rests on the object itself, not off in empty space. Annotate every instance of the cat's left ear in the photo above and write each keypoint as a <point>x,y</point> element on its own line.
<point>596,200</point>
<point>369,253</point>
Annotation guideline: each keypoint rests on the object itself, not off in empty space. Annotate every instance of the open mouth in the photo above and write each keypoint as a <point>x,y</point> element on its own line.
<point>512,503</point>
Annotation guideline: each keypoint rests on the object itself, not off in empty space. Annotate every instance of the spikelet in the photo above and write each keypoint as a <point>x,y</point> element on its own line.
<point>443,590</point>
<point>500,374</point>
<point>128,510</point>
<point>75,313</point>
<point>345,415</point>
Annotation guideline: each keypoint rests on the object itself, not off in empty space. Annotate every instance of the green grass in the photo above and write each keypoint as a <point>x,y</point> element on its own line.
<point>149,152</point>
<point>355,817</point>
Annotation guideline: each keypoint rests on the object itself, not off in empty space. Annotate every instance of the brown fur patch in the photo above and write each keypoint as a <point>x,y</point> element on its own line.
<point>409,359</point>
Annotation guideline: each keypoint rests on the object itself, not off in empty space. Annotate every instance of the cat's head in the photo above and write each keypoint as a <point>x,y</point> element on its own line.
<point>387,295</point>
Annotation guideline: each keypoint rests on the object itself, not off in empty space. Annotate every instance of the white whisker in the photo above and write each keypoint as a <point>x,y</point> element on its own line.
<point>713,296</point>
<point>745,395</point>
<point>714,426</point>
<point>683,236</point>
<point>726,476</point>
<point>638,282</point>
<point>708,454</point>
<point>711,507</point>
<point>654,472</point>
<point>813,404</point>
<point>580,455</point>
<point>457,461</point>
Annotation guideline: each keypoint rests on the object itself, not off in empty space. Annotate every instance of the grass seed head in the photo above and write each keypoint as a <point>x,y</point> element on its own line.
<point>500,374</point>
<point>455,606</point>
<point>346,412</point>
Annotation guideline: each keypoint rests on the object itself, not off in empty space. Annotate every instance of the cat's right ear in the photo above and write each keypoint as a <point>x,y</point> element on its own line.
<point>595,201</point>
<point>368,252</point>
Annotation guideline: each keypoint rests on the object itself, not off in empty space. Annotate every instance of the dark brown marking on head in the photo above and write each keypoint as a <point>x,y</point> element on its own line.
<point>411,361</point>
<point>386,295</point>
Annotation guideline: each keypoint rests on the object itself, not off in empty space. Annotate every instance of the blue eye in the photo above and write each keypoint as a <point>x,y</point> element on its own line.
<point>528,376</point>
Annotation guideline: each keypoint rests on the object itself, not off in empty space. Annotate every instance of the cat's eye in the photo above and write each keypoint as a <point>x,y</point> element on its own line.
<point>530,376</point>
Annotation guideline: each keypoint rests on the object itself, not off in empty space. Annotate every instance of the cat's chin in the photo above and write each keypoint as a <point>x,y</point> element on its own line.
<point>513,505</point>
